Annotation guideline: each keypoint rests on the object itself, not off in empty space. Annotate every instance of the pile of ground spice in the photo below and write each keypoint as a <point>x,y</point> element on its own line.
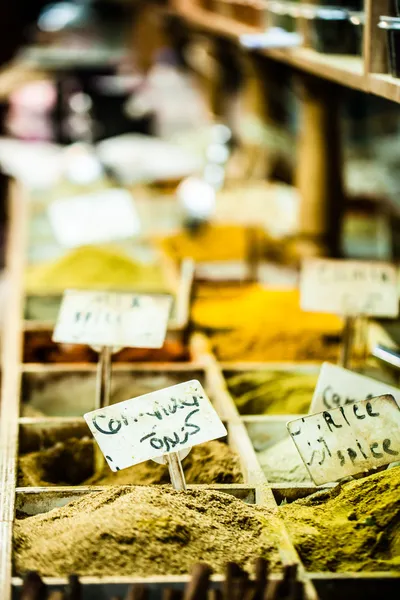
<point>272,392</point>
<point>39,347</point>
<point>353,527</point>
<point>144,531</point>
<point>282,463</point>
<point>72,394</point>
<point>257,324</point>
<point>214,242</point>
<point>94,267</point>
<point>72,463</point>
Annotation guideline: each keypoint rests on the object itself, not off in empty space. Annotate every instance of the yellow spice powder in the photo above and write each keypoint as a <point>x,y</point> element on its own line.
<point>258,324</point>
<point>94,267</point>
<point>215,242</point>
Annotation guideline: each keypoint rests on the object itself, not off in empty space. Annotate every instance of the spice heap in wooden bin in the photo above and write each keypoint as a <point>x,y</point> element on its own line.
<point>72,462</point>
<point>258,324</point>
<point>144,531</point>
<point>354,527</point>
<point>95,267</point>
<point>60,392</point>
<point>88,267</point>
<point>272,391</point>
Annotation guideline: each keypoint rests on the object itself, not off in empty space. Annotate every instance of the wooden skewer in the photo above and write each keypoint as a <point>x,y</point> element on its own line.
<point>253,254</point>
<point>214,594</point>
<point>260,584</point>
<point>103,392</point>
<point>137,592</point>
<point>57,595</point>
<point>74,588</point>
<point>347,342</point>
<point>232,572</point>
<point>199,582</point>
<point>33,587</point>
<point>176,471</point>
<point>241,587</point>
<point>288,585</point>
<point>103,383</point>
<point>171,594</point>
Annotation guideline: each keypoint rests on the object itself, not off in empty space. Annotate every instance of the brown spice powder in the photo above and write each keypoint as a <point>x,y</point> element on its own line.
<point>71,463</point>
<point>145,531</point>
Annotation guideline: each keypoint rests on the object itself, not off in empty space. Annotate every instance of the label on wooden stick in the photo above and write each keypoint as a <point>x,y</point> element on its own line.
<point>348,440</point>
<point>341,387</point>
<point>94,218</point>
<point>143,428</point>
<point>349,287</point>
<point>112,319</point>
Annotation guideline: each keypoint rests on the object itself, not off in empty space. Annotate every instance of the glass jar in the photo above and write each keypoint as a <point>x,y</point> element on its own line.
<point>392,26</point>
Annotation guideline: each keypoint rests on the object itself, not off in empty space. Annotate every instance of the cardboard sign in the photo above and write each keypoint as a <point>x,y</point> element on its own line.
<point>94,218</point>
<point>349,287</point>
<point>348,440</point>
<point>340,387</point>
<point>112,319</point>
<point>162,422</point>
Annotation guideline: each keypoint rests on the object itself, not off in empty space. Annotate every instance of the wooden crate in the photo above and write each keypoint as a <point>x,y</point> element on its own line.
<point>20,378</point>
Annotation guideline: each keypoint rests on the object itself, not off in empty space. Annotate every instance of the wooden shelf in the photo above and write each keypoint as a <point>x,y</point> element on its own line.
<point>385,86</point>
<point>349,71</point>
<point>345,70</point>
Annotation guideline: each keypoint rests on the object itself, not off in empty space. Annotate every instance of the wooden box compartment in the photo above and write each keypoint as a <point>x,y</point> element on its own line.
<point>264,400</point>
<point>63,390</point>
<point>62,452</point>
<point>38,347</point>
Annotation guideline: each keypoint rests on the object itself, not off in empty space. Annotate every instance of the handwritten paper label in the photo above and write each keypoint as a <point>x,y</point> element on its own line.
<point>165,421</point>
<point>348,440</point>
<point>112,319</point>
<point>349,287</point>
<point>340,387</point>
<point>94,218</point>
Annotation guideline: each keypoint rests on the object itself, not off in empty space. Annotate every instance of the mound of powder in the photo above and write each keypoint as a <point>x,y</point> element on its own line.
<point>144,531</point>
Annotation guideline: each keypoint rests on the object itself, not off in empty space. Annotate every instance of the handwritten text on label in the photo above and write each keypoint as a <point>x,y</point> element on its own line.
<point>112,319</point>
<point>339,387</point>
<point>168,420</point>
<point>348,440</point>
<point>349,287</point>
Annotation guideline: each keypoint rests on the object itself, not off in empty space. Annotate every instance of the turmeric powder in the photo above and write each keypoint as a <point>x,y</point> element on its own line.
<point>258,324</point>
<point>215,242</point>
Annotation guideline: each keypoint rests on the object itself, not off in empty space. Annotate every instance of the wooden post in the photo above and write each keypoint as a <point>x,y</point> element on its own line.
<point>103,383</point>
<point>148,34</point>
<point>263,98</point>
<point>347,342</point>
<point>375,43</point>
<point>319,168</point>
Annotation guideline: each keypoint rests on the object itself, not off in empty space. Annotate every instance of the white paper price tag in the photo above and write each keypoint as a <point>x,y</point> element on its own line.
<point>112,319</point>
<point>94,218</point>
<point>348,440</point>
<point>340,387</point>
<point>162,422</point>
<point>348,287</point>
